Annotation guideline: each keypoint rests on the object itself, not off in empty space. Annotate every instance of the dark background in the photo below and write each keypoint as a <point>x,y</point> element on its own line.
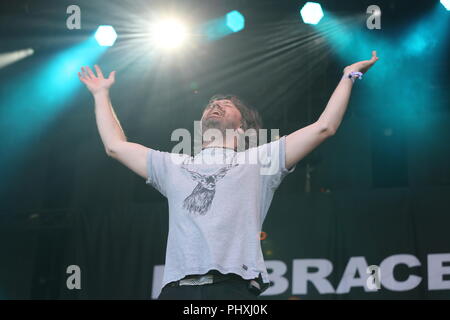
<point>379,187</point>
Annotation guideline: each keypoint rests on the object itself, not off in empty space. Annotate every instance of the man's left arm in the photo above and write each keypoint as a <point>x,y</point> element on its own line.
<point>301,142</point>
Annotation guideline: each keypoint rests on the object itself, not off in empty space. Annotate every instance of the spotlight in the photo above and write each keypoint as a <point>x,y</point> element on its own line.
<point>12,57</point>
<point>168,34</point>
<point>311,13</point>
<point>235,21</point>
<point>446,4</point>
<point>105,36</point>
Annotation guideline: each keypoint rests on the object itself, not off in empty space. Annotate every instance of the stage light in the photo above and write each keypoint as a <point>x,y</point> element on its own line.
<point>12,57</point>
<point>105,36</point>
<point>168,34</point>
<point>225,25</point>
<point>235,21</point>
<point>446,4</point>
<point>311,13</point>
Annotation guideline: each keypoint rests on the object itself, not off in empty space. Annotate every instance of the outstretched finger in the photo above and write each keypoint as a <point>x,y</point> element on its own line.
<point>91,74</point>
<point>99,71</point>
<point>112,76</point>
<point>84,73</point>
<point>82,79</point>
<point>374,55</point>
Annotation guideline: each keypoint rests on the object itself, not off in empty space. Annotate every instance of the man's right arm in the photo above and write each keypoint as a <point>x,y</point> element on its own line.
<point>132,155</point>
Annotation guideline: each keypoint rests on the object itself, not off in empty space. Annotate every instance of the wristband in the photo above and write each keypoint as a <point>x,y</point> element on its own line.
<point>356,74</point>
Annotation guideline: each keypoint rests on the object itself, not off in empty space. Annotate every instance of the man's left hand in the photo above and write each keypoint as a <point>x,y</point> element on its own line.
<point>362,66</point>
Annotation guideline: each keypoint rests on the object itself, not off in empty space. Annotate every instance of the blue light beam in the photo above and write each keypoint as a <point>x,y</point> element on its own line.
<point>218,28</point>
<point>31,101</point>
<point>235,21</point>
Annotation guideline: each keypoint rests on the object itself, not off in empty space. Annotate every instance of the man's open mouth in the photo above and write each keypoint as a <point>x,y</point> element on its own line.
<point>216,114</point>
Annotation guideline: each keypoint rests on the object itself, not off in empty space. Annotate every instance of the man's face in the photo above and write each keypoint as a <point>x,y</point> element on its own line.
<point>222,115</point>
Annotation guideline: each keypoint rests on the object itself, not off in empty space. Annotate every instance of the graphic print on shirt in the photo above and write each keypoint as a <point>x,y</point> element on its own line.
<point>200,199</point>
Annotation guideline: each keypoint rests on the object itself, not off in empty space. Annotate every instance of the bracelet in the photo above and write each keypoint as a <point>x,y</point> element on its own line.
<point>357,74</point>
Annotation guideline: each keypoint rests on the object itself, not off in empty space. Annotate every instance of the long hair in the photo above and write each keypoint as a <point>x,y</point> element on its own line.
<point>251,119</point>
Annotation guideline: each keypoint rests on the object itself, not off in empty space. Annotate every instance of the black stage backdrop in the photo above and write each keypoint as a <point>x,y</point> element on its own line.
<point>119,248</point>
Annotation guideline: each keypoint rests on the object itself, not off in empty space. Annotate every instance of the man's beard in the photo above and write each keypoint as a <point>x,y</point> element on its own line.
<point>218,124</point>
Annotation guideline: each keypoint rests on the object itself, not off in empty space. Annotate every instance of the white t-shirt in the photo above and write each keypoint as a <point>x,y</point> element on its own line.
<point>218,201</point>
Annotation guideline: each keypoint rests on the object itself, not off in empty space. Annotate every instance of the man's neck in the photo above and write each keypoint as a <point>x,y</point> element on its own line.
<point>213,144</point>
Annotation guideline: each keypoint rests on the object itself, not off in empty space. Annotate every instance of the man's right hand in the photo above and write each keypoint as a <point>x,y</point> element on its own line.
<point>96,84</point>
